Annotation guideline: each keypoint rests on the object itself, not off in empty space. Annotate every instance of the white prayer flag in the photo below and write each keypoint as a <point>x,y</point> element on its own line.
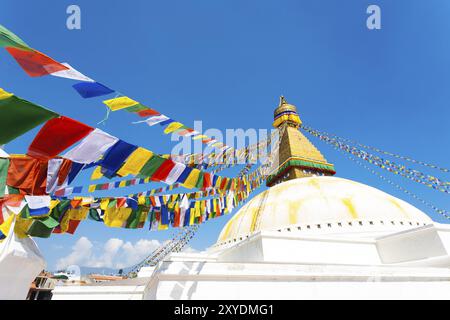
<point>175,173</point>
<point>71,73</point>
<point>37,202</point>
<point>92,147</point>
<point>156,119</point>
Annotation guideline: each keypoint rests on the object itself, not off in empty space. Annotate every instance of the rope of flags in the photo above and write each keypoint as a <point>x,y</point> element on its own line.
<point>65,192</point>
<point>411,174</point>
<point>37,64</point>
<point>42,216</point>
<point>444,213</point>
<point>41,171</point>
<point>384,152</point>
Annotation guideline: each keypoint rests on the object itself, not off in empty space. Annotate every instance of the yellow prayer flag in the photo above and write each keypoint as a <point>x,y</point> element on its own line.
<point>172,127</point>
<point>97,173</point>
<point>104,204</point>
<point>141,200</point>
<point>116,217</point>
<point>163,227</point>
<point>135,162</point>
<point>200,136</point>
<point>4,94</point>
<point>53,203</point>
<point>6,225</point>
<point>21,227</point>
<point>120,103</point>
<point>91,188</point>
<point>122,184</point>
<point>191,180</point>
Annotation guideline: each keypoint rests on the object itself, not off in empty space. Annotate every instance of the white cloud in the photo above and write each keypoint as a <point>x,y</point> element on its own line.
<point>114,253</point>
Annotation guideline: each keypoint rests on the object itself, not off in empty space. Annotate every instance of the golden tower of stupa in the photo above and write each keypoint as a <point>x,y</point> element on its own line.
<point>298,157</point>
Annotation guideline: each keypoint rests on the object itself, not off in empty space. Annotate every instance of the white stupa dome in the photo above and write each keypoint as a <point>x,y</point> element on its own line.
<point>320,205</point>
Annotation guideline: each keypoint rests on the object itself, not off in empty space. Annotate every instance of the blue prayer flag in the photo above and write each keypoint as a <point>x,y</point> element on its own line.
<point>92,89</point>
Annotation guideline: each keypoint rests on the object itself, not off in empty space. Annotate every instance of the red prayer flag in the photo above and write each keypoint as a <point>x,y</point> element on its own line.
<point>148,113</point>
<point>57,135</point>
<point>207,180</point>
<point>163,171</point>
<point>35,63</point>
<point>121,202</point>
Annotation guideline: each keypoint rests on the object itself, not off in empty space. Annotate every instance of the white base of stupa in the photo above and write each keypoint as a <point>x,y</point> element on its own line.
<point>413,263</point>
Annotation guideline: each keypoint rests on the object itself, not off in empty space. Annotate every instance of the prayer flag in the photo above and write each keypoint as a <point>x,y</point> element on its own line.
<point>71,73</point>
<point>9,39</point>
<point>4,94</point>
<point>172,127</point>
<point>116,155</point>
<point>92,147</point>
<point>6,226</point>
<point>18,116</point>
<point>192,179</point>
<point>151,166</point>
<point>175,173</point>
<point>156,119</point>
<point>57,135</point>
<point>35,63</point>
<point>135,162</point>
<point>52,174</point>
<point>148,112</point>
<point>91,89</point>
<point>4,165</point>
<point>120,103</point>
<point>28,175</point>
<point>163,171</point>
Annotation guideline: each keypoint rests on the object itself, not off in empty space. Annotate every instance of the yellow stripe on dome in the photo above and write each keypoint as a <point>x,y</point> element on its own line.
<point>396,204</point>
<point>350,207</point>
<point>313,182</point>
<point>294,208</point>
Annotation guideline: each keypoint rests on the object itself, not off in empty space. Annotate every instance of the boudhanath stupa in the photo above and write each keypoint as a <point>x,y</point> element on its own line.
<point>310,235</point>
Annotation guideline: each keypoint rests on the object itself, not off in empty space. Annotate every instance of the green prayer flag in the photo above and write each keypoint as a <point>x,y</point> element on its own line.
<point>42,228</point>
<point>12,190</point>
<point>136,108</point>
<point>199,184</point>
<point>93,215</point>
<point>151,166</point>
<point>9,39</point>
<point>18,116</point>
<point>133,219</point>
<point>60,209</point>
<point>4,165</point>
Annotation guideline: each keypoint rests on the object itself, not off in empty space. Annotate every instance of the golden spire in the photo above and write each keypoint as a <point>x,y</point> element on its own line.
<point>286,113</point>
<point>297,157</point>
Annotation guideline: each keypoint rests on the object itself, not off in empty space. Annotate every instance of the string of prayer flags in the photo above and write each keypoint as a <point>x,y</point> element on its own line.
<point>18,116</point>
<point>57,135</point>
<point>41,216</point>
<point>9,39</point>
<point>92,89</point>
<point>35,63</point>
<point>71,73</point>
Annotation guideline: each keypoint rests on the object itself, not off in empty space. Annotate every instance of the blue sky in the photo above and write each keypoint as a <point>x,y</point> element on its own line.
<point>227,62</point>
